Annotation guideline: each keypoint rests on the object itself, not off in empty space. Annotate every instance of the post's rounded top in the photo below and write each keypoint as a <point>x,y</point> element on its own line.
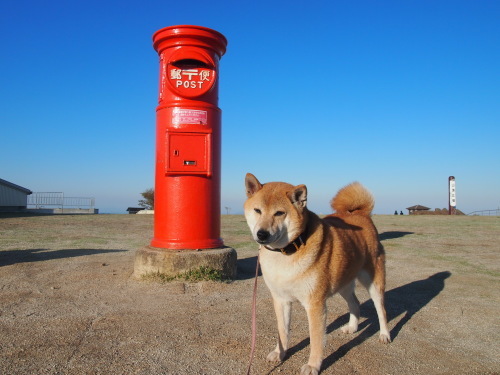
<point>189,35</point>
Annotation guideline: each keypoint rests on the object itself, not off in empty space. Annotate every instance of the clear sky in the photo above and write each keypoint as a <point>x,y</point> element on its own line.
<point>398,95</point>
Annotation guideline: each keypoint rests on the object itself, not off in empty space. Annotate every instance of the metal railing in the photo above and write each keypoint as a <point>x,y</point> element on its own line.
<point>486,213</point>
<point>58,200</point>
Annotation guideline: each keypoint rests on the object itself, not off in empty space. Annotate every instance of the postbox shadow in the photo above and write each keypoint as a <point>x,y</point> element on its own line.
<point>11,257</point>
<point>407,299</point>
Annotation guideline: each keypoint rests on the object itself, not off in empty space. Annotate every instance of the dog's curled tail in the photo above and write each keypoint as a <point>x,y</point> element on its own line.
<point>354,199</point>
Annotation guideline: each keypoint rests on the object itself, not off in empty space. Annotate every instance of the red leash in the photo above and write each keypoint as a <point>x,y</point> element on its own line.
<point>254,315</point>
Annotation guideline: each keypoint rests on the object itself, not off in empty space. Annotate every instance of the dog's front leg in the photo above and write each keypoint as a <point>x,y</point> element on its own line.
<point>283,310</point>
<point>316,315</point>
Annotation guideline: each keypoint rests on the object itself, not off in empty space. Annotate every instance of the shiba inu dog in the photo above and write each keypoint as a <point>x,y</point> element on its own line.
<point>308,259</point>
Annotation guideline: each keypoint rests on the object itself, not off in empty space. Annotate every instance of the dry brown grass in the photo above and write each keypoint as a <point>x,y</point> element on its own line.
<point>69,304</point>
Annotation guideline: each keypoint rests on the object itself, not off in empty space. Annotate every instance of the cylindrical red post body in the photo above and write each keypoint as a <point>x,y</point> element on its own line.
<point>188,139</point>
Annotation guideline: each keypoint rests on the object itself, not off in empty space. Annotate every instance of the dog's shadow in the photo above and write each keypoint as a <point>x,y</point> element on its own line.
<point>408,299</point>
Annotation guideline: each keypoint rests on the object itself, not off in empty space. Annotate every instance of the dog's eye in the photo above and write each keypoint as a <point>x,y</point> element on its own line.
<point>257,210</point>
<point>279,213</point>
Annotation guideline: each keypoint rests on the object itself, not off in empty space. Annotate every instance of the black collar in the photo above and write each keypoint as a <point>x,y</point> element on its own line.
<point>293,246</point>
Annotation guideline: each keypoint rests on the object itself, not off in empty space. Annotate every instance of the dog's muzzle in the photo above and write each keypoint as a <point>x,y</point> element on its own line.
<point>263,236</point>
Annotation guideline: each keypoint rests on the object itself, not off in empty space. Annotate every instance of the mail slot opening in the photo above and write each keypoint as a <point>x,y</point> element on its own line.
<point>189,162</point>
<point>190,64</point>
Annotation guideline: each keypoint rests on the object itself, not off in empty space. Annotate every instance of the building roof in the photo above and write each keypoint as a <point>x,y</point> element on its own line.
<point>14,186</point>
<point>418,207</point>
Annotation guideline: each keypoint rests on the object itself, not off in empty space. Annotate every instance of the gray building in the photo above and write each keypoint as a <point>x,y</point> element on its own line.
<point>12,197</point>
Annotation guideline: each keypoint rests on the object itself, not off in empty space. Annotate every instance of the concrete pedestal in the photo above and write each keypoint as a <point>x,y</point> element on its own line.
<point>174,262</point>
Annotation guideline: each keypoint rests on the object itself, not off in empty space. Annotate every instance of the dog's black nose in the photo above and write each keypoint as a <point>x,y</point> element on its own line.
<point>263,235</point>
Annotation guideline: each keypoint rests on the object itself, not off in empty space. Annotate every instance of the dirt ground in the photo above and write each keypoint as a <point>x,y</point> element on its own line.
<point>69,303</point>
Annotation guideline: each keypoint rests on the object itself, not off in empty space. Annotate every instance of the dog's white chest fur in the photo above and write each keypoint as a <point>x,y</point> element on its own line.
<point>286,278</point>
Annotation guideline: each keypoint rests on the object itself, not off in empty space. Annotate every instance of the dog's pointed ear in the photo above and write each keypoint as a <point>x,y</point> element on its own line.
<point>298,196</point>
<point>252,185</point>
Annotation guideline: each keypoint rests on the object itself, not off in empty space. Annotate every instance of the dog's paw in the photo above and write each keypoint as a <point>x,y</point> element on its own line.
<point>384,338</point>
<point>308,370</point>
<point>275,356</point>
<point>348,329</point>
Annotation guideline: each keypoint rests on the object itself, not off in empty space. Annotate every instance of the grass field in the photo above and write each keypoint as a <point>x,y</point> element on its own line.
<point>69,304</point>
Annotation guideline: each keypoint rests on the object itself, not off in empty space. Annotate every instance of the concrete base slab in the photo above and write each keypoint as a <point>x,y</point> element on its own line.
<point>174,262</point>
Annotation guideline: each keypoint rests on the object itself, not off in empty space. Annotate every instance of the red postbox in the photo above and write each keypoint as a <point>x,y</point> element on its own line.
<point>188,139</point>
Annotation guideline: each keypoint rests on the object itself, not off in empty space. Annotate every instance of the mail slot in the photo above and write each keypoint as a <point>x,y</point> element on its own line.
<point>188,138</point>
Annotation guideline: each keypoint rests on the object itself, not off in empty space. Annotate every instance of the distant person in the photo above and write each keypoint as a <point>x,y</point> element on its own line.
<point>396,212</point>
<point>401,213</point>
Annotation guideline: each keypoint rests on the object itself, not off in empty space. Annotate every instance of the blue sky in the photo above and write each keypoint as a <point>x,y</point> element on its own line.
<point>398,95</point>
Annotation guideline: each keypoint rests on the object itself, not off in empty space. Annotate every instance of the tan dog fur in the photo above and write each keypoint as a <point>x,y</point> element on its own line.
<point>339,249</point>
